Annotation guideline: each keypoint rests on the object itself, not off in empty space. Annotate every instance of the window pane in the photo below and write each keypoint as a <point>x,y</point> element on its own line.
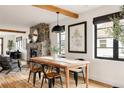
<point>19,43</point>
<point>121,50</point>
<point>62,50</point>
<point>121,46</point>
<point>108,42</point>
<point>103,43</point>
<point>105,25</point>
<point>104,40</point>
<point>62,37</point>
<point>103,32</point>
<point>61,42</point>
<point>105,52</point>
<point>58,36</point>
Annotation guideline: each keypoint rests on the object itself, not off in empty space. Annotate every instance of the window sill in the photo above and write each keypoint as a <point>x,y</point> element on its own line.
<point>103,58</point>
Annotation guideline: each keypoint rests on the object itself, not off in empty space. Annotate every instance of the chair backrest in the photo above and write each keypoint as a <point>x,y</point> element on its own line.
<point>15,55</point>
<point>61,56</point>
<point>33,65</point>
<point>80,59</point>
<point>46,69</point>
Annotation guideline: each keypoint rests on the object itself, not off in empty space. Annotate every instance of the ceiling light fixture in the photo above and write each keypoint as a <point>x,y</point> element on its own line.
<point>57,28</point>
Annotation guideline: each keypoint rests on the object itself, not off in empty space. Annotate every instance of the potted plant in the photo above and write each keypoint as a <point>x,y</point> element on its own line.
<point>54,50</point>
<point>117,31</point>
<point>10,46</point>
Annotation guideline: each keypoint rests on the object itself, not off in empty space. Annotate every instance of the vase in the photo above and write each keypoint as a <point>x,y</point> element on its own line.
<point>55,56</point>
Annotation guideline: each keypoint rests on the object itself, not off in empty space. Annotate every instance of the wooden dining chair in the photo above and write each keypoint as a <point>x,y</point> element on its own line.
<point>76,71</point>
<point>34,69</point>
<point>51,77</point>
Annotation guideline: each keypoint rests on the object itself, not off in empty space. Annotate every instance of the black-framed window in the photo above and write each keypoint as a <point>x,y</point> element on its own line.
<point>18,42</point>
<point>61,41</point>
<point>105,46</point>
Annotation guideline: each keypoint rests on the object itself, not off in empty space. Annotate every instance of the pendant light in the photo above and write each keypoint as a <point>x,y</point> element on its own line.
<point>57,28</point>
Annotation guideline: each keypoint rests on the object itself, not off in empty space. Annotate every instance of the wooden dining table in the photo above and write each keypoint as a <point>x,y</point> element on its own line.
<point>65,63</point>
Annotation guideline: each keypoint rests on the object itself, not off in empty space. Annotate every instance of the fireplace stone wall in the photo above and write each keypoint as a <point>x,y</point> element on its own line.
<point>42,42</point>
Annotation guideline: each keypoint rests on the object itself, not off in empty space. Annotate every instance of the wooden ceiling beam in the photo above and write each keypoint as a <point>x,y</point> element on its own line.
<point>12,31</point>
<point>57,9</point>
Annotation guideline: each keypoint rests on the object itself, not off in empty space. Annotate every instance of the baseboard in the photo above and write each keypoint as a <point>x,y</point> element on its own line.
<point>98,82</point>
<point>101,83</point>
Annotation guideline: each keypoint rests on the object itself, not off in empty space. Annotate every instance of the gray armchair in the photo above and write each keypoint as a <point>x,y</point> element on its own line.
<point>8,64</point>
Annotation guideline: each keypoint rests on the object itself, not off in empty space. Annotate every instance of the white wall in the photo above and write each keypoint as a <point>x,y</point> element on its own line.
<point>106,71</point>
<point>12,36</point>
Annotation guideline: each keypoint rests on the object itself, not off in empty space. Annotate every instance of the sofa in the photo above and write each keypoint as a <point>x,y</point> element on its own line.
<point>8,64</point>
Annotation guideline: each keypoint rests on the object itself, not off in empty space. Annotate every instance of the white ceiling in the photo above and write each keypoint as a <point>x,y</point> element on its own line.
<point>26,15</point>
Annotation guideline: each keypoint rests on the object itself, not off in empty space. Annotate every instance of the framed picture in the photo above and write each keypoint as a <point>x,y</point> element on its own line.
<point>77,38</point>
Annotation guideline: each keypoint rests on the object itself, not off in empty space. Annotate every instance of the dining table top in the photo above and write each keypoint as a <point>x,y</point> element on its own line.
<point>61,62</point>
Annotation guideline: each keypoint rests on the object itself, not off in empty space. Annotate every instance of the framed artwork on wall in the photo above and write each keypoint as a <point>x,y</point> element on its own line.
<point>77,38</point>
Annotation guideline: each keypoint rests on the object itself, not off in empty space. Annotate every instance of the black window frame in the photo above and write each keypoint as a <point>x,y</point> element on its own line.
<point>19,42</point>
<point>103,19</point>
<point>60,44</point>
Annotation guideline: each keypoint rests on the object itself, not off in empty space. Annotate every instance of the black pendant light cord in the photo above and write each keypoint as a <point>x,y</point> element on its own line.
<point>57,18</point>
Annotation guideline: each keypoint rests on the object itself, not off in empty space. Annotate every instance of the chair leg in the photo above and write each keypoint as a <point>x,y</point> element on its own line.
<point>61,82</point>
<point>58,70</point>
<point>34,79</point>
<point>8,71</point>
<point>29,76</point>
<point>19,65</point>
<point>53,81</point>
<point>45,80</point>
<point>50,83</point>
<point>76,78</point>
<point>39,75</point>
<point>42,81</point>
<point>83,76</point>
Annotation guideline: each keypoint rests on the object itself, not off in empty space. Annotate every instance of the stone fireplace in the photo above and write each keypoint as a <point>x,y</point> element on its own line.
<point>33,52</point>
<point>35,49</point>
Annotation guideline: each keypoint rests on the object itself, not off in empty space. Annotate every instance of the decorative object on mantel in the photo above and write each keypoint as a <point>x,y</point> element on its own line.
<point>117,31</point>
<point>30,38</point>
<point>35,35</point>
<point>77,42</point>
<point>57,28</point>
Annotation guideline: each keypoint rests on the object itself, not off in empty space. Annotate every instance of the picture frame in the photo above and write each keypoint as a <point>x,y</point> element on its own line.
<point>77,37</point>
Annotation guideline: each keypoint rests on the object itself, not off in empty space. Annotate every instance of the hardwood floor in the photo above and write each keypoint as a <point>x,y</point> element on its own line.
<point>17,79</point>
